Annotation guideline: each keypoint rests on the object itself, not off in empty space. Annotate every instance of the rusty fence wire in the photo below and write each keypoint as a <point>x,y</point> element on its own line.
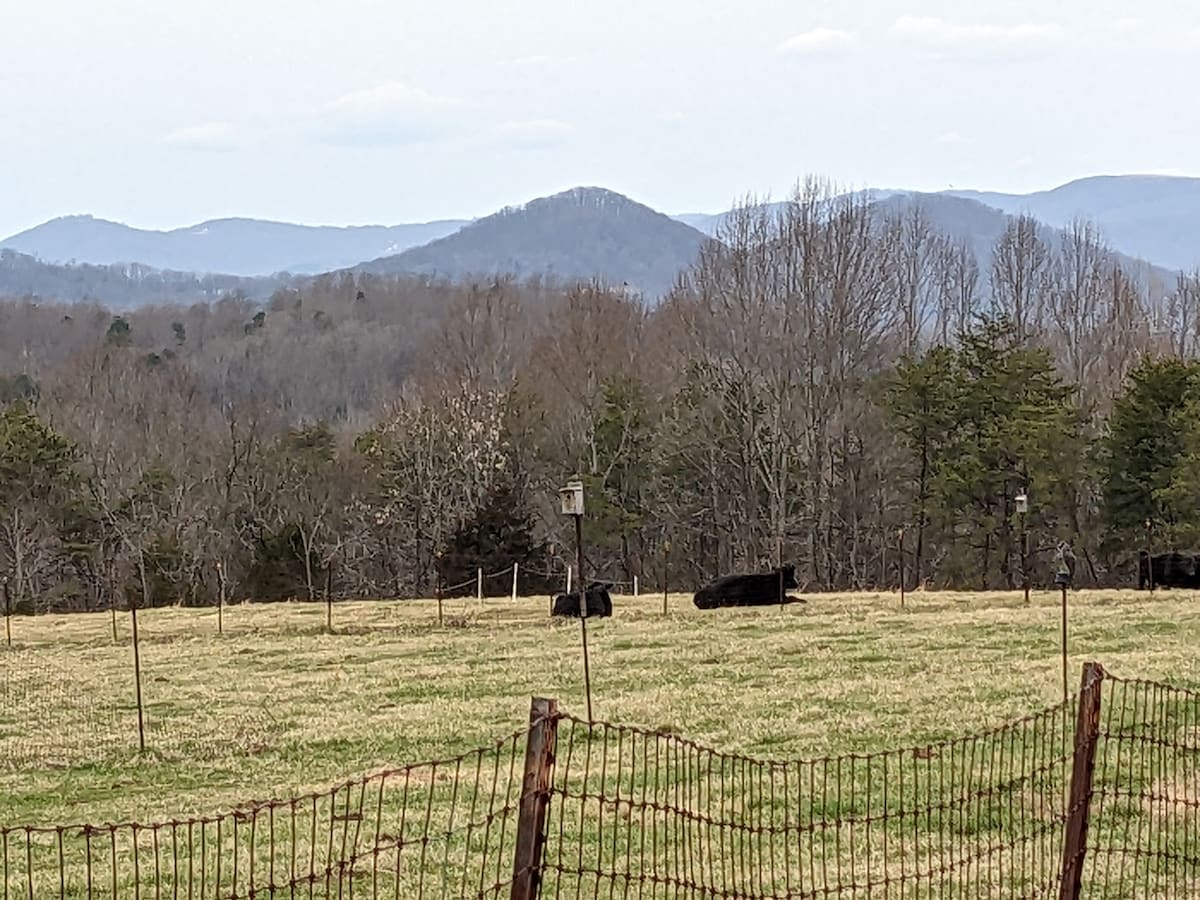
<point>438,829</point>
<point>1098,796</point>
<point>637,813</point>
<point>1144,823</point>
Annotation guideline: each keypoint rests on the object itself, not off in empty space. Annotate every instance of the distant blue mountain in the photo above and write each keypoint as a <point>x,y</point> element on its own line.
<point>230,246</point>
<point>1155,217</point>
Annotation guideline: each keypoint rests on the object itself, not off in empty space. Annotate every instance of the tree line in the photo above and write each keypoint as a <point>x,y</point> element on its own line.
<point>824,376</point>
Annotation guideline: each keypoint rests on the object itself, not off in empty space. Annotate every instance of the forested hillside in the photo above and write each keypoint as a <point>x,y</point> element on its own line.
<point>122,284</point>
<point>817,382</point>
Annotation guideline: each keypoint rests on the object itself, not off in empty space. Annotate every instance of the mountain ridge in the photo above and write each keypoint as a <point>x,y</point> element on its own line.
<point>583,232</point>
<point>234,245</point>
<point>580,233</point>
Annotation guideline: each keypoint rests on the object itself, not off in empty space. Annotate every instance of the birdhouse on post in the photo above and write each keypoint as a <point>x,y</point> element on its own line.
<point>571,498</point>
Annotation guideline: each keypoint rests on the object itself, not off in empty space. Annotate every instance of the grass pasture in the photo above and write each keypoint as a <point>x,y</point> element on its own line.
<point>276,706</point>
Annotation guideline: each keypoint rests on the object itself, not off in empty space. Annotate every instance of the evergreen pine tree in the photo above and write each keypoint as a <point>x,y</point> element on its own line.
<point>500,533</point>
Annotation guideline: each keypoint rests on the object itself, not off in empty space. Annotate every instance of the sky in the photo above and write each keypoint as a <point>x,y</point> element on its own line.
<point>162,114</point>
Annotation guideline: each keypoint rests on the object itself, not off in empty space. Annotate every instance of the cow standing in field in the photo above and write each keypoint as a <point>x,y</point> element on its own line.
<point>599,603</point>
<point>1168,570</point>
<point>749,590</point>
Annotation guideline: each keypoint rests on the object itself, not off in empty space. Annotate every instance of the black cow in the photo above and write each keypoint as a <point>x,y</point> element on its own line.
<point>599,603</point>
<point>748,590</point>
<point>1181,570</point>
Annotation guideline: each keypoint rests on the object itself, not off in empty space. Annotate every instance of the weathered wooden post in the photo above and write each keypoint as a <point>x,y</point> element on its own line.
<point>1083,767</point>
<point>535,798</point>
<point>901,534</point>
<point>514,590</point>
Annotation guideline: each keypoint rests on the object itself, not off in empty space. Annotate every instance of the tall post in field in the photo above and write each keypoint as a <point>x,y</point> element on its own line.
<point>7,610</point>
<point>137,651</point>
<point>901,534</point>
<point>437,564</point>
<point>779,565</point>
<point>329,596</point>
<point>514,592</point>
<point>220,598</point>
<point>112,599</point>
<point>571,497</point>
<point>1150,552</point>
<point>1022,501</point>
<point>1062,577</point>
<point>666,572</point>
<point>635,586</point>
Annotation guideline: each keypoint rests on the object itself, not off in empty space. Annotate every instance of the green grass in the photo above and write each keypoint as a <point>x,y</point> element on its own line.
<point>276,706</point>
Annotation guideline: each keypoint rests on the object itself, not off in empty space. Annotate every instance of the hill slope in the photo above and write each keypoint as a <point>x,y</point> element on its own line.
<point>235,246</point>
<point>580,233</point>
<point>1156,217</point>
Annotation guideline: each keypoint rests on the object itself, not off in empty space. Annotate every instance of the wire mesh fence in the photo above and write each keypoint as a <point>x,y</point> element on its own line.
<point>636,813</point>
<point>1098,796</point>
<point>1144,828</point>
<point>46,722</point>
<point>437,829</point>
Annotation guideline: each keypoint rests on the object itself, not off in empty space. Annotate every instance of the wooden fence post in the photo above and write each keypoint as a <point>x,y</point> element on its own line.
<point>535,799</point>
<point>1087,733</point>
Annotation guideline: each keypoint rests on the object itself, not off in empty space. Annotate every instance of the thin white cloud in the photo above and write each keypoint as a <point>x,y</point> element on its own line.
<point>533,134</point>
<point>951,138</point>
<point>540,59</point>
<point>1126,24</point>
<point>388,114</point>
<point>932,29</point>
<point>390,97</point>
<point>817,40</point>
<point>206,136</point>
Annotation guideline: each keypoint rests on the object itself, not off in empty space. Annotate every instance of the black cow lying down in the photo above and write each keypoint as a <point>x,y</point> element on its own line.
<point>1170,570</point>
<point>599,603</point>
<point>748,590</point>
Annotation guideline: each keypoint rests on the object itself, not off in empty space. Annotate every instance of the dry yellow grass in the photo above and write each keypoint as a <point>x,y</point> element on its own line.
<point>276,706</point>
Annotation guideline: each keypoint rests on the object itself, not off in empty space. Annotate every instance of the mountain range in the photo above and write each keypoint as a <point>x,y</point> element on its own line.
<point>230,246</point>
<point>580,233</point>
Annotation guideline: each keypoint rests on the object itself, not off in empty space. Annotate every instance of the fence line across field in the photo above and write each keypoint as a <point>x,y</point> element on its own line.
<point>1096,796</point>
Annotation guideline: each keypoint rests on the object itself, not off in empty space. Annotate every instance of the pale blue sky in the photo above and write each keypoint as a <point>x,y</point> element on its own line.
<point>161,113</point>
